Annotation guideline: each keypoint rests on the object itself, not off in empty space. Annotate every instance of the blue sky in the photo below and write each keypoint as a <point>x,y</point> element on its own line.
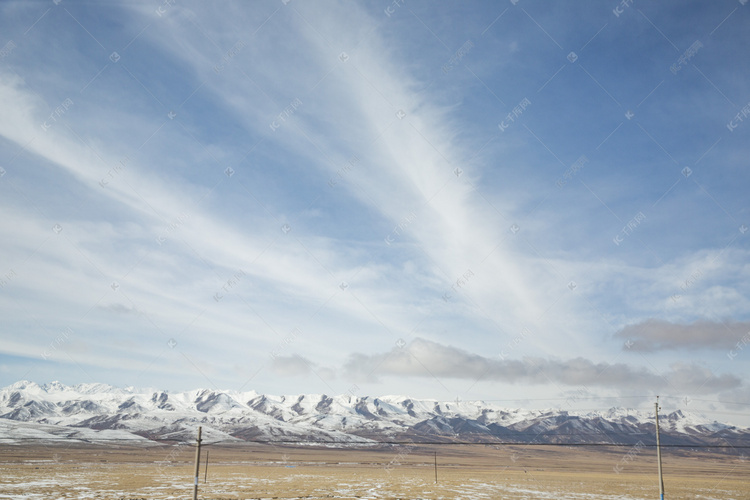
<point>509,201</point>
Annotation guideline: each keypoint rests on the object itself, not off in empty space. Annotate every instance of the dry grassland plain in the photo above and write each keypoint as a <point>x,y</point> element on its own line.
<point>398,472</point>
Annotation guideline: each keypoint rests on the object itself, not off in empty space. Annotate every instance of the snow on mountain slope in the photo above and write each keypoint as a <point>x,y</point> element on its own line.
<point>13,432</point>
<point>29,409</point>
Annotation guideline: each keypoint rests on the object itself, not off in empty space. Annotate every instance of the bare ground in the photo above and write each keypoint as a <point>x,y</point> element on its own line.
<point>398,472</point>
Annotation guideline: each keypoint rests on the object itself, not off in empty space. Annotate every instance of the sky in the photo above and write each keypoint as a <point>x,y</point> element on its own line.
<point>540,204</point>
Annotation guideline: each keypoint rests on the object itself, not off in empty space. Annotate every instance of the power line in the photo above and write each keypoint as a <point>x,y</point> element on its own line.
<point>684,410</point>
<point>473,443</point>
<point>581,398</point>
<point>711,401</point>
<point>370,445</point>
<point>389,443</point>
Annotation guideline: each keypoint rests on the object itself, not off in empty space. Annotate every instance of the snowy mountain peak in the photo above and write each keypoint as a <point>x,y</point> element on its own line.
<point>97,388</point>
<point>23,385</point>
<point>236,416</point>
<point>676,415</point>
<point>54,386</point>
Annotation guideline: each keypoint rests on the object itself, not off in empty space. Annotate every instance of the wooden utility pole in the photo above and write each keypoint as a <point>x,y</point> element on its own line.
<point>205,476</point>
<point>197,464</point>
<point>435,467</point>
<point>658,451</point>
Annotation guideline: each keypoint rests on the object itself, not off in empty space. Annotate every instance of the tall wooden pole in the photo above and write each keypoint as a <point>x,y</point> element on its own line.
<point>197,465</point>
<point>436,467</point>
<point>205,476</point>
<point>658,451</point>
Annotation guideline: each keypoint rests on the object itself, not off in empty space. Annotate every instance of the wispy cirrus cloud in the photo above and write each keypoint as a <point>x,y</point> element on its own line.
<point>237,174</point>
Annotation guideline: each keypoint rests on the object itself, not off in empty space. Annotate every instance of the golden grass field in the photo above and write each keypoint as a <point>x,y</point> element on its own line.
<point>400,472</point>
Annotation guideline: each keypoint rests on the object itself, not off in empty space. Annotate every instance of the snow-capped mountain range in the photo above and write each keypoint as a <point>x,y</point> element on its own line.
<point>98,412</point>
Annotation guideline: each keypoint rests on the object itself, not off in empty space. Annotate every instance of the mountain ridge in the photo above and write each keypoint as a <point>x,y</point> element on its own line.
<point>151,415</point>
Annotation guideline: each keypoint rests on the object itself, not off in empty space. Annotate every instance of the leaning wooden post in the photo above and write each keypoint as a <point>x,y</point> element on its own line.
<point>436,467</point>
<point>197,465</point>
<point>658,452</point>
<point>205,477</point>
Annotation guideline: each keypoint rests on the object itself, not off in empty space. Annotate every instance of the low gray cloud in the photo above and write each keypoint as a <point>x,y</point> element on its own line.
<point>658,335</point>
<point>291,366</point>
<point>424,358</point>
<point>736,399</point>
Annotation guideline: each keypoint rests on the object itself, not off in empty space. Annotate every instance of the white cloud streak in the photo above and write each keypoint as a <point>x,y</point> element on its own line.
<point>399,246</point>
